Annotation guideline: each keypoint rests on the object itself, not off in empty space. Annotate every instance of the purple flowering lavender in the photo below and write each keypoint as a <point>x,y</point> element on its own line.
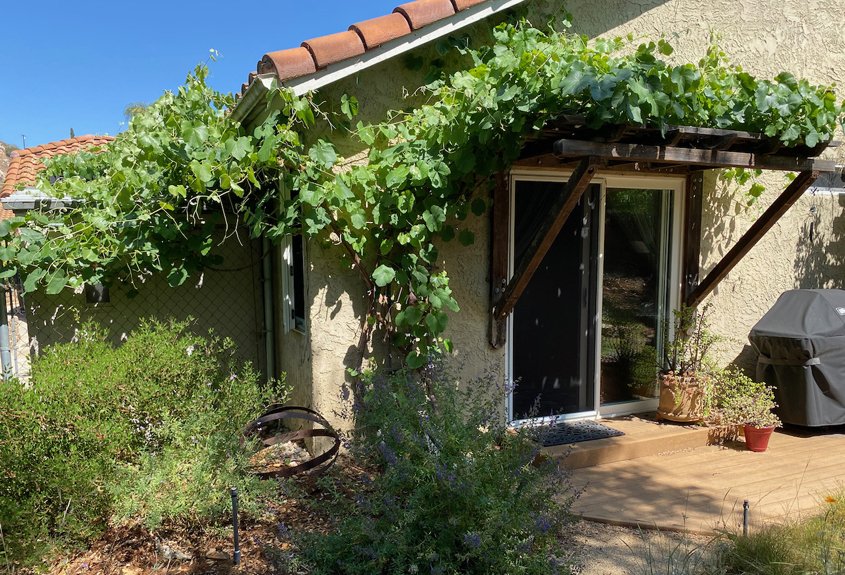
<point>443,474</point>
<point>542,523</point>
<point>396,434</point>
<point>472,540</point>
<point>388,454</point>
<point>282,531</point>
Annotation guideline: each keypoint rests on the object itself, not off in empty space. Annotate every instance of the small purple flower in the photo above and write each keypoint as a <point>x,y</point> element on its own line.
<point>542,523</point>
<point>396,434</point>
<point>443,474</point>
<point>472,540</point>
<point>282,531</point>
<point>388,454</point>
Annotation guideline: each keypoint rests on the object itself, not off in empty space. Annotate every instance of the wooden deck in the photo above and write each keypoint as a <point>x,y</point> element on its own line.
<point>702,489</point>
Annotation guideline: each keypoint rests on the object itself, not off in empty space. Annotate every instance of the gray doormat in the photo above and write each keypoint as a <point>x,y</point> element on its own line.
<point>574,431</point>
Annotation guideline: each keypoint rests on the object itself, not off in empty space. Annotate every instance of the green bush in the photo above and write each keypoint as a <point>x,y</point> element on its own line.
<point>814,545</point>
<point>457,492</point>
<point>147,431</point>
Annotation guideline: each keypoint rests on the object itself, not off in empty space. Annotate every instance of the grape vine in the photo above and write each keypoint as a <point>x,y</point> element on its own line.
<point>149,202</point>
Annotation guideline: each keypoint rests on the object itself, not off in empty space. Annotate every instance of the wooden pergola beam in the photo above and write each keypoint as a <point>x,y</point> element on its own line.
<point>692,233</point>
<point>763,224</point>
<point>545,235</point>
<point>499,251</point>
<point>566,148</point>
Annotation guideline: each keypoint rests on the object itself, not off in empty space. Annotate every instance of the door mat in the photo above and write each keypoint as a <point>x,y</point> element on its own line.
<point>574,431</point>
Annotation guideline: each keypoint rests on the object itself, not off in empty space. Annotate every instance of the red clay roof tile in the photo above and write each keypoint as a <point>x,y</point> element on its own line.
<point>377,31</point>
<point>25,164</point>
<point>424,12</point>
<point>324,50</point>
<point>334,47</point>
<point>286,64</point>
<point>464,4</point>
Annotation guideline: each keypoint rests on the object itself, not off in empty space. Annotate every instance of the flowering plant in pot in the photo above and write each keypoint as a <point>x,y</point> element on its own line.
<point>739,401</point>
<point>685,380</point>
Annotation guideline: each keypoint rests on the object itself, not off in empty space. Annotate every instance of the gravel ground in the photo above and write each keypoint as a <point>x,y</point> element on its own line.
<point>613,550</point>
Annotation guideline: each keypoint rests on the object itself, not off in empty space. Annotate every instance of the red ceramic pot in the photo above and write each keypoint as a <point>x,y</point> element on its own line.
<point>757,438</point>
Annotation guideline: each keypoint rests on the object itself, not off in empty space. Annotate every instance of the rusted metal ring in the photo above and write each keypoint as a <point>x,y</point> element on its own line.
<point>267,428</point>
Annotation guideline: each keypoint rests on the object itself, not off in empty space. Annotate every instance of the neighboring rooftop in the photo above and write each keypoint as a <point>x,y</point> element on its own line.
<point>318,53</point>
<point>25,164</point>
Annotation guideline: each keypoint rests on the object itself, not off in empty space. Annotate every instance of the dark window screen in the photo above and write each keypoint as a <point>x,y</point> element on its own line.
<point>549,320</point>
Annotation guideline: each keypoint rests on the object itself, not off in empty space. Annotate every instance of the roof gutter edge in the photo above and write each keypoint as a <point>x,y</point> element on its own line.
<point>245,109</point>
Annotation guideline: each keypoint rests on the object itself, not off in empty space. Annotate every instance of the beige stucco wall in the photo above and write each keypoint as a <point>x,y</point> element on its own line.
<point>227,300</point>
<point>803,37</point>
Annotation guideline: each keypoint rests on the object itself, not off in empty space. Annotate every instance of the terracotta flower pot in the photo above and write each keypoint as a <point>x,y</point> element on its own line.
<point>757,438</point>
<point>681,398</point>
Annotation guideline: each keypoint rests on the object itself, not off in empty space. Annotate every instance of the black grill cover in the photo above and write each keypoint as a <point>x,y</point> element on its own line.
<point>801,347</point>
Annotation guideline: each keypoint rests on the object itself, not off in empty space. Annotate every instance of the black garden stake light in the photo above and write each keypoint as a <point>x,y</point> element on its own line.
<point>236,555</point>
<point>745,513</point>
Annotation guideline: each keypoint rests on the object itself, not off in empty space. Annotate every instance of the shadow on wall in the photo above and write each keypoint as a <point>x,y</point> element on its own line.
<point>586,19</point>
<point>820,250</point>
<point>722,216</point>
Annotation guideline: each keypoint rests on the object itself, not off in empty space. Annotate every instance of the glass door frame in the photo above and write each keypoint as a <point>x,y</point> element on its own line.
<point>676,185</point>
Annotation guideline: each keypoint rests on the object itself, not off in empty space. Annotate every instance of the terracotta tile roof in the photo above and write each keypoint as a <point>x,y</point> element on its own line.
<point>26,163</point>
<point>318,53</point>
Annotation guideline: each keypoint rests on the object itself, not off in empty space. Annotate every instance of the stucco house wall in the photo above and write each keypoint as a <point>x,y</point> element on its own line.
<point>764,37</point>
<point>225,300</point>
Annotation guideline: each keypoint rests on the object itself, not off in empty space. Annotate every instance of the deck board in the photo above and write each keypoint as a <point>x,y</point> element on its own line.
<point>702,489</point>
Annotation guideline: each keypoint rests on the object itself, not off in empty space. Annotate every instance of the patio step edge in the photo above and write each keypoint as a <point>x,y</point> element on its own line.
<point>623,448</point>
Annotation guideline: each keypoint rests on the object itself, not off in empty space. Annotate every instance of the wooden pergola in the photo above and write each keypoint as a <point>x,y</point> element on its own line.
<point>679,150</point>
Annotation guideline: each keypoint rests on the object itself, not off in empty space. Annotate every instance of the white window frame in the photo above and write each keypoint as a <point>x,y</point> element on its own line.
<point>286,264</point>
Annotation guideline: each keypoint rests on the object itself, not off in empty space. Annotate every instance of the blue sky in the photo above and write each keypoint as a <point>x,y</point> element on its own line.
<point>78,64</point>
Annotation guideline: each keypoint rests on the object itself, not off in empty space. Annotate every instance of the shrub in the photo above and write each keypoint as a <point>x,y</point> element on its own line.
<point>738,400</point>
<point>457,491</point>
<point>147,431</point>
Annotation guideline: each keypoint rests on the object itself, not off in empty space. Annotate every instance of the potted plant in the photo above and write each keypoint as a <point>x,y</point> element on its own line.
<point>684,375</point>
<point>739,401</point>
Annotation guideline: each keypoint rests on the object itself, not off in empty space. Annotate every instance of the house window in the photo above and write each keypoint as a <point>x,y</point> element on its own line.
<point>296,270</point>
<point>293,281</point>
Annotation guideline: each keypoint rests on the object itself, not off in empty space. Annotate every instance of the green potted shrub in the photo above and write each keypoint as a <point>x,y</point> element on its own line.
<point>739,401</point>
<point>685,374</point>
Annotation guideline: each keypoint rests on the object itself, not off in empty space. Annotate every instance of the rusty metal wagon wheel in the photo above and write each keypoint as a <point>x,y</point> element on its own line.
<point>268,429</point>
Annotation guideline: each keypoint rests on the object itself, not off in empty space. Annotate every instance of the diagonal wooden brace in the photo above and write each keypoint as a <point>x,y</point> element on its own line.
<point>545,235</point>
<point>763,224</point>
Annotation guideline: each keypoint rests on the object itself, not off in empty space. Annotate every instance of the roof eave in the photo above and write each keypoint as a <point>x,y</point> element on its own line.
<point>248,106</point>
<point>31,198</point>
<point>244,109</point>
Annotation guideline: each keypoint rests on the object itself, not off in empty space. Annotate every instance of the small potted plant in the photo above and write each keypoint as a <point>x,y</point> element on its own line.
<point>739,401</point>
<point>685,374</point>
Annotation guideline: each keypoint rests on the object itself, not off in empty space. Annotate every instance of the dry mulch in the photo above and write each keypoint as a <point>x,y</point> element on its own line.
<point>265,544</point>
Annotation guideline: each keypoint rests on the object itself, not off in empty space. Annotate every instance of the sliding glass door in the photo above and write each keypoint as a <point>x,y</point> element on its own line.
<point>586,336</point>
<point>552,325</point>
<point>635,291</point>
